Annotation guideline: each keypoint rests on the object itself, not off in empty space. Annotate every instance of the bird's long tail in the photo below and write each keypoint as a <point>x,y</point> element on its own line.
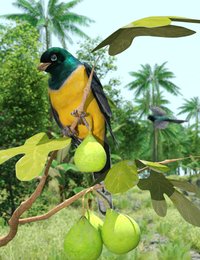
<point>177,121</point>
<point>105,198</point>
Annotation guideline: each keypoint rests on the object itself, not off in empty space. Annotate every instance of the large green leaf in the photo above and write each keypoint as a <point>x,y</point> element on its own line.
<point>155,166</point>
<point>158,185</point>
<point>159,26</point>
<point>36,150</point>
<point>121,177</point>
<point>186,208</point>
<point>185,185</point>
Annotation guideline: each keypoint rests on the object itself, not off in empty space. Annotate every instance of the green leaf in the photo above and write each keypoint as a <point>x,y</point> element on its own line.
<point>160,207</point>
<point>153,166</point>
<point>185,185</point>
<point>158,185</point>
<point>121,177</point>
<point>30,165</point>
<point>159,26</point>
<point>61,155</point>
<point>67,167</point>
<point>78,189</point>
<point>36,150</point>
<point>9,153</point>
<point>186,208</point>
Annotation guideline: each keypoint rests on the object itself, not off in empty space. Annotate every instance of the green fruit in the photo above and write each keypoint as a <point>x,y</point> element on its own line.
<point>90,156</point>
<point>83,241</point>
<point>120,233</point>
<point>95,221</point>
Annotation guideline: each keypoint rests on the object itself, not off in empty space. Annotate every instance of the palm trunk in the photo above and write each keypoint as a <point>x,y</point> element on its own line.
<point>155,144</point>
<point>155,130</point>
<point>47,37</point>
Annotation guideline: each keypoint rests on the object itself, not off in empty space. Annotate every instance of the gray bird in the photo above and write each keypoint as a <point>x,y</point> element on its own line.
<point>160,118</point>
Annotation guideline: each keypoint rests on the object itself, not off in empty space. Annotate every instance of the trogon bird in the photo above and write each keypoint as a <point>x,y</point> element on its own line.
<point>68,78</point>
<point>160,118</point>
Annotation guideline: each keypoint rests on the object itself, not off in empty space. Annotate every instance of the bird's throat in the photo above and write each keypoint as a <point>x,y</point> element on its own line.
<point>60,73</point>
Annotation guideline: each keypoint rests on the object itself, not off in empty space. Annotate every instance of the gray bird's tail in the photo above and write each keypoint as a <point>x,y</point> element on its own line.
<point>177,121</point>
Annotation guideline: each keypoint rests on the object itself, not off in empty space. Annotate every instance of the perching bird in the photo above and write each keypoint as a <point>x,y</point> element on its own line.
<point>160,119</point>
<point>68,78</point>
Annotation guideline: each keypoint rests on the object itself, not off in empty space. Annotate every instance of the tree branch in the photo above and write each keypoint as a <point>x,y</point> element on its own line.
<point>24,206</point>
<point>61,206</point>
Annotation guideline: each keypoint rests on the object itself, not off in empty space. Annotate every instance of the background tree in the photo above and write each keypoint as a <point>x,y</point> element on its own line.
<point>147,86</point>
<point>148,83</point>
<point>57,19</point>
<point>24,104</point>
<point>191,108</point>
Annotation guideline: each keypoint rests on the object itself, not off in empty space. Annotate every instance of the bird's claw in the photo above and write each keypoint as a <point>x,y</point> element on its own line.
<point>67,131</point>
<point>81,115</point>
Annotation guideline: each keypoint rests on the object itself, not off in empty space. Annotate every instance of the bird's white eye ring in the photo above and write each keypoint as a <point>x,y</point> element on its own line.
<point>53,57</point>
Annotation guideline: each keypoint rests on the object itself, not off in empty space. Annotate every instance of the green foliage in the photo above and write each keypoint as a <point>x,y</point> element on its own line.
<point>105,63</point>
<point>65,179</point>
<point>36,150</point>
<point>154,166</point>
<point>57,19</point>
<point>147,85</point>
<point>174,249</point>
<point>159,26</point>
<point>121,177</point>
<point>24,104</point>
<point>157,233</point>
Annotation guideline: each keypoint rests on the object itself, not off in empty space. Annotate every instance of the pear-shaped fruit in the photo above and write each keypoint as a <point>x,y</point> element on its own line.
<point>90,156</point>
<point>83,241</point>
<point>94,220</point>
<point>120,233</point>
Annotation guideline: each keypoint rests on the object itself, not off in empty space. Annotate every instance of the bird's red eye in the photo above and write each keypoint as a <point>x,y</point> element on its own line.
<point>53,57</point>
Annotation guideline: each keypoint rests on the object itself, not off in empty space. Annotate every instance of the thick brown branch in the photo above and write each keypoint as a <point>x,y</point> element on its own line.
<point>14,221</point>
<point>61,206</point>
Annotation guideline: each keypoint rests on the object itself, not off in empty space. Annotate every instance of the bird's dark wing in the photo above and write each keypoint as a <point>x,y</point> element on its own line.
<point>100,97</point>
<point>55,115</point>
<point>157,111</point>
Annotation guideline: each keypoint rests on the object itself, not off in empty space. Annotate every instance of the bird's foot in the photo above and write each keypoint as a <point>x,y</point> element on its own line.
<point>81,115</point>
<point>67,131</point>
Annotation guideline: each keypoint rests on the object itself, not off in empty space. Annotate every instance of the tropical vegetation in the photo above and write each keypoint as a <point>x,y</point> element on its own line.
<point>24,111</point>
<point>57,19</point>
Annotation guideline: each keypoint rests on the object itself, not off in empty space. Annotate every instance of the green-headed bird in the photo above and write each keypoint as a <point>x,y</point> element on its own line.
<point>68,79</point>
<point>160,119</point>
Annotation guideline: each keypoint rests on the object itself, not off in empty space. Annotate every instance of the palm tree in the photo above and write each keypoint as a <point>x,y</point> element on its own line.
<point>143,104</point>
<point>148,82</point>
<point>191,107</point>
<point>147,85</point>
<point>57,19</point>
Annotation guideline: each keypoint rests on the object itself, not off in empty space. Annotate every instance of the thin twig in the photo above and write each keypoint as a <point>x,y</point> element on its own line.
<point>178,159</point>
<point>26,205</point>
<point>61,206</point>
<point>80,108</point>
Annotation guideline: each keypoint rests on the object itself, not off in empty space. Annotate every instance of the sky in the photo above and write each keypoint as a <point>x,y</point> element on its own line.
<point>182,54</point>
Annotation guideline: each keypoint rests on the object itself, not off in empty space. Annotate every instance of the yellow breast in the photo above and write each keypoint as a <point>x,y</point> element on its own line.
<point>68,97</point>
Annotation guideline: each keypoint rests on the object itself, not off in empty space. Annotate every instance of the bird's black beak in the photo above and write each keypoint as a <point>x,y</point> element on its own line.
<point>43,66</point>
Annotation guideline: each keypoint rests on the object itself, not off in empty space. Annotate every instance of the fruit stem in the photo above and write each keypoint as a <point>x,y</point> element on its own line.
<point>83,200</point>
